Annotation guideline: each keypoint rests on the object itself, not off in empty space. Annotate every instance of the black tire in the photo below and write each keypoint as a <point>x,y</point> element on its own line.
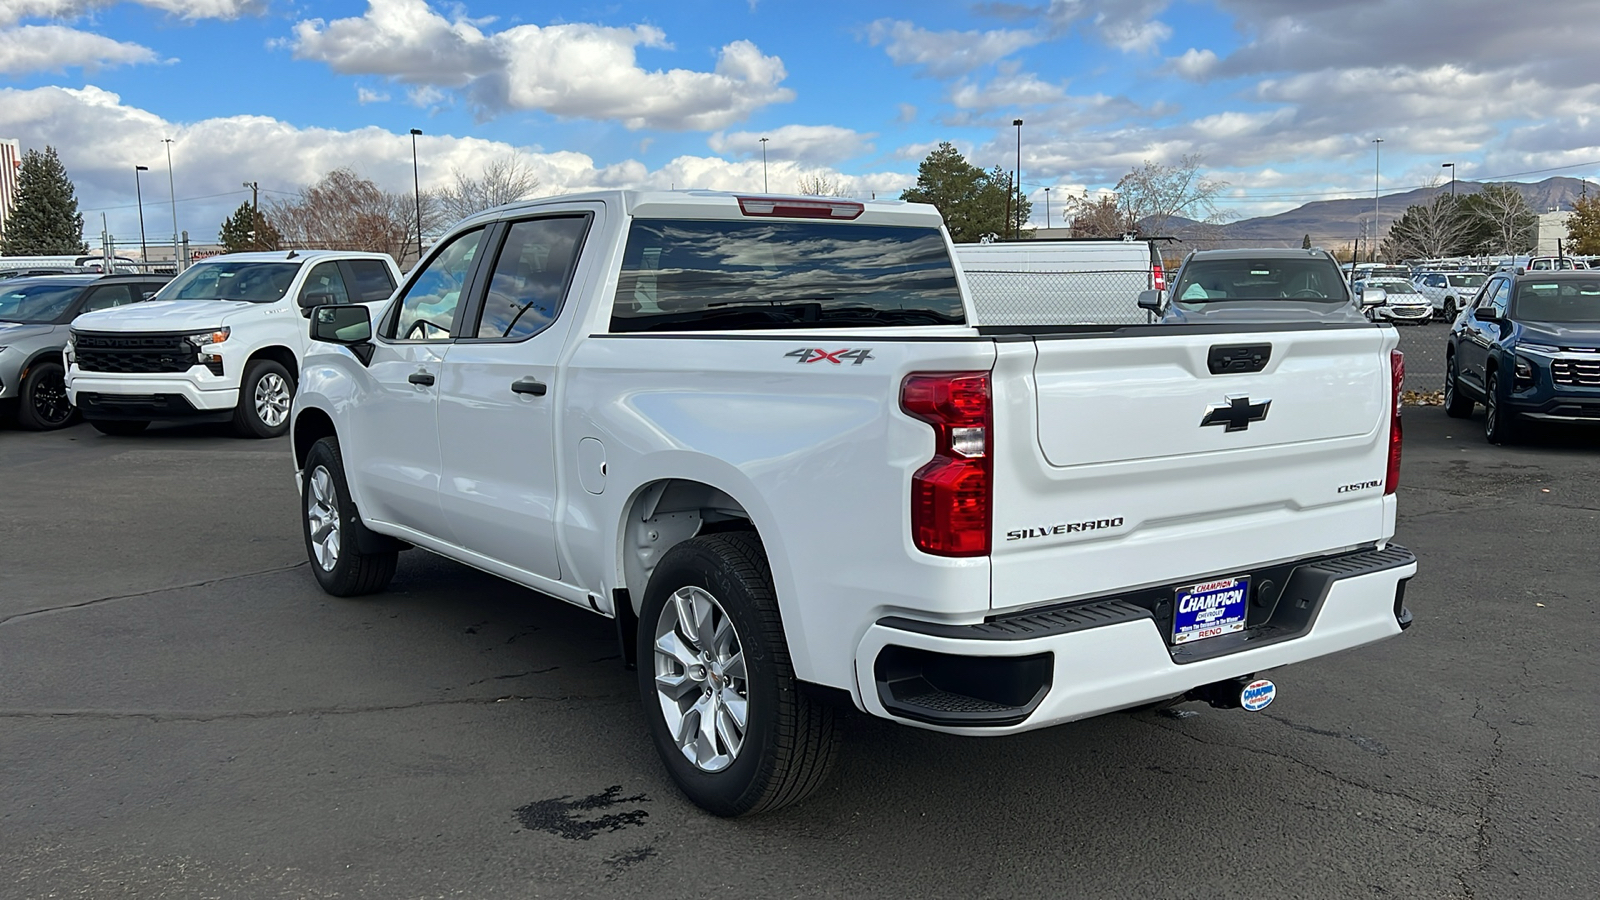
<point>119,427</point>
<point>42,403</point>
<point>247,417</point>
<point>1456,404</point>
<point>1497,424</point>
<point>789,741</point>
<point>1450,310</point>
<point>351,572</point>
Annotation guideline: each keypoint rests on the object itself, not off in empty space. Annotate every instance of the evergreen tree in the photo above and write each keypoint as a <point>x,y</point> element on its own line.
<point>1583,227</point>
<point>974,203</point>
<point>249,229</point>
<point>1305,243</point>
<point>45,220</point>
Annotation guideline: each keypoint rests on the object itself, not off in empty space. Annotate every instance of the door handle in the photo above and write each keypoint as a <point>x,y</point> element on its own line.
<point>422,378</point>
<point>529,385</point>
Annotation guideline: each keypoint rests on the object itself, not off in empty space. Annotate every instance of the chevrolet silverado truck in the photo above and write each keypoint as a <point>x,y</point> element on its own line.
<point>770,438</point>
<point>222,342</point>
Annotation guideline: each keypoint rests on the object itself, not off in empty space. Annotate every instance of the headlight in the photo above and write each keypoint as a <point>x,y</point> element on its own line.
<point>202,338</point>
<point>1538,348</point>
<point>1524,371</point>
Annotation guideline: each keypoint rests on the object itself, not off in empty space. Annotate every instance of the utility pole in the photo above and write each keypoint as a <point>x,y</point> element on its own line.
<point>1018,124</point>
<point>172,195</point>
<point>1452,168</point>
<point>255,214</point>
<point>416,184</point>
<point>764,165</point>
<point>144,249</point>
<point>1377,153</point>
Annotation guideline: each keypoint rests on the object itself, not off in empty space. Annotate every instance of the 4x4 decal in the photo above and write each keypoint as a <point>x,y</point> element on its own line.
<point>837,357</point>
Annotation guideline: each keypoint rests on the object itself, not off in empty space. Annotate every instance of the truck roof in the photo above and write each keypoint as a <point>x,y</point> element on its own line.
<point>299,256</point>
<point>725,205</point>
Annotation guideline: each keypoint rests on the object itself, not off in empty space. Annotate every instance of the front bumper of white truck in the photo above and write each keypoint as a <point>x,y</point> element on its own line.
<point>1041,667</point>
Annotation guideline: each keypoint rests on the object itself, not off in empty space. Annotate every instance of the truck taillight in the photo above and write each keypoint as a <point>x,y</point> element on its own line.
<point>950,495</point>
<point>1158,278</point>
<point>1397,376</point>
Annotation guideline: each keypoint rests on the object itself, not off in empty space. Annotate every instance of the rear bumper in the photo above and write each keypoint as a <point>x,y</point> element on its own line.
<point>1039,669</point>
<point>188,395</point>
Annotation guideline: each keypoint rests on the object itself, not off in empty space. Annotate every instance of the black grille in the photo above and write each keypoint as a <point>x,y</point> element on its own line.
<point>1576,372</point>
<point>126,354</point>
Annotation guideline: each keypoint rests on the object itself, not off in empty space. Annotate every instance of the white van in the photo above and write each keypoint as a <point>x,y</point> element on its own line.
<point>1063,282</point>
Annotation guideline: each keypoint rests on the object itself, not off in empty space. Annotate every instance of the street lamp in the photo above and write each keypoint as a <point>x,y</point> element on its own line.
<point>172,195</point>
<point>416,184</point>
<point>1377,155</point>
<point>255,214</point>
<point>764,165</point>
<point>1018,123</point>
<point>1046,207</point>
<point>144,251</point>
<point>1452,168</point>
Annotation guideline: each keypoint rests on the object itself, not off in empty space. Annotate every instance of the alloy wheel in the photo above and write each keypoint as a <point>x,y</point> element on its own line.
<point>322,518</point>
<point>50,401</point>
<point>700,679</point>
<point>272,399</point>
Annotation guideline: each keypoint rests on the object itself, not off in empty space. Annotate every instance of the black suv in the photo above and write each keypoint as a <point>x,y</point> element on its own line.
<point>1529,347</point>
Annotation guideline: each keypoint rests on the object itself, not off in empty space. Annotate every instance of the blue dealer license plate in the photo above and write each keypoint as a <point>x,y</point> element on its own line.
<point>1210,608</point>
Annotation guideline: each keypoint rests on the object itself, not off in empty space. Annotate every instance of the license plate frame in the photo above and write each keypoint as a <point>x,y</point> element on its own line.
<point>1210,609</point>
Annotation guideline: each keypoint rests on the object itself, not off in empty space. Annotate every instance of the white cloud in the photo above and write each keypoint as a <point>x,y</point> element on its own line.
<point>570,70</point>
<point>365,96</point>
<point>1022,89</point>
<point>18,10</point>
<point>946,53</point>
<point>803,143</point>
<point>53,48</point>
<point>1195,65</point>
<point>908,114</point>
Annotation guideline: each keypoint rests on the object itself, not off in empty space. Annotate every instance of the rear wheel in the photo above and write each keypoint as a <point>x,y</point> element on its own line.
<point>119,427</point>
<point>265,395</point>
<point>331,528</point>
<point>733,726</point>
<point>43,404</point>
<point>1456,404</point>
<point>1497,425</point>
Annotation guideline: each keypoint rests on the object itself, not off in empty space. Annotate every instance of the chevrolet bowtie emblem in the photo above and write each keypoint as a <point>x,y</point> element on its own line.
<point>1236,414</point>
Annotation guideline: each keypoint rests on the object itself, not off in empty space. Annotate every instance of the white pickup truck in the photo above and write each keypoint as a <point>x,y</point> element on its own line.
<point>769,437</point>
<point>222,342</point>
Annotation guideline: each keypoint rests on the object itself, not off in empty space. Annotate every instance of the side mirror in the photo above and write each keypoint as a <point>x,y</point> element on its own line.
<point>1372,298</point>
<point>312,300</point>
<point>1486,314</point>
<point>1150,300</point>
<point>349,324</point>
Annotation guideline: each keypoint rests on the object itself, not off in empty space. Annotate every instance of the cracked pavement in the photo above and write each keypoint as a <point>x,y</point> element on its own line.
<point>184,714</point>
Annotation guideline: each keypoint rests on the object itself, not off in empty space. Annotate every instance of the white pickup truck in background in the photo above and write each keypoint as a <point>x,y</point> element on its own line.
<point>221,342</point>
<point>764,436</point>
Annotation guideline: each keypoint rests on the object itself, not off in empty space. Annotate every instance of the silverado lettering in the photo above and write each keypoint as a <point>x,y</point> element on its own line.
<point>1023,534</point>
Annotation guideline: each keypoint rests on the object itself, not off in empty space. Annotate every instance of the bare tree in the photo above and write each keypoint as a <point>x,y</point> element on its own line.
<point>344,211</point>
<point>505,179</point>
<point>1097,218</point>
<point>1152,195</point>
<point>1501,218</point>
<point>1427,230</point>
<point>820,184</point>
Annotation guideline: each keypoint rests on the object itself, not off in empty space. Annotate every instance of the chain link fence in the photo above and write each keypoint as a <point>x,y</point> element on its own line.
<point>1014,297</point>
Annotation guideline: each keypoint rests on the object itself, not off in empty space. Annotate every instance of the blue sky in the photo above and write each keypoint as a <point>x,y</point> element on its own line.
<point>1280,98</point>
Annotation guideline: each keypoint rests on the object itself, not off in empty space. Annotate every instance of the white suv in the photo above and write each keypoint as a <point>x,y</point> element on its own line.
<point>1449,292</point>
<point>225,345</point>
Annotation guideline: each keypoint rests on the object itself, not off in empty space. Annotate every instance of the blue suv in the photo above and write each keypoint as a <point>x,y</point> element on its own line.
<point>1528,347</point>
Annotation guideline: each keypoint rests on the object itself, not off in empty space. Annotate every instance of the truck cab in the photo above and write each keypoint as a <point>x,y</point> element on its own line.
<point>222,342</point>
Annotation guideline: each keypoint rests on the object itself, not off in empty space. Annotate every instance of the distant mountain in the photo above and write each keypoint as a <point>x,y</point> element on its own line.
<point>1335,223</point>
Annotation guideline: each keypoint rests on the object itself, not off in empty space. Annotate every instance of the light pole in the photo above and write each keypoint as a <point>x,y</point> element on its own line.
<point>172,195</point>
<point>416,184</point>
<point>1377,155</point>
<point>144,250</point>
<point>255,214</point>
<point>1018,123</point>
<point>1452,168</point>
<point>1047,208</point>
<point>764,165</point>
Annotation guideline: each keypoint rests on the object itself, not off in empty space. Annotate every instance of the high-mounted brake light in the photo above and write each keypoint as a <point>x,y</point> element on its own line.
<point>950,495</point>
<point>1397,376</point>
<point>791,208</point>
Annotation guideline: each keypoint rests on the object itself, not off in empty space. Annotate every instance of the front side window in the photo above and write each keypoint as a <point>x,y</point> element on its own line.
<point>1559,301</point>
<point>430,301</point>
<point>256,282</point>
<point>691,275</point>
<point>530,277</point>
<point>1210,280</point>
<point>324,284</point>
<point>108,296</point>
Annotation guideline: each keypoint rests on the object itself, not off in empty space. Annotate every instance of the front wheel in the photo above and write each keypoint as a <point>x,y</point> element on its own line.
<point>732,725</point>
<point>1450,310</point>
<point>1456,404</point>
<point>43,400</point>
<point>265,395</point>
<point>331,527</point>
<point>1497,425</point>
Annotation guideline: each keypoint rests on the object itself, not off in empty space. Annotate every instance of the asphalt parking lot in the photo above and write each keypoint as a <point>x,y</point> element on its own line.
<point>183,713</point>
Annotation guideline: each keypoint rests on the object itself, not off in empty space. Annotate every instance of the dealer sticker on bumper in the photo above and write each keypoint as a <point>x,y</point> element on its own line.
<point>1210,609</point>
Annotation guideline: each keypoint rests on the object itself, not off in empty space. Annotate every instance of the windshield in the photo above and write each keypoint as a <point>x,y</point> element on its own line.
<point>1393,287</point>
<point>257,282</point>
<point>1466,281</point>
<point>1558,301</point>
<point>37,302</point>
<point>1211,280</point>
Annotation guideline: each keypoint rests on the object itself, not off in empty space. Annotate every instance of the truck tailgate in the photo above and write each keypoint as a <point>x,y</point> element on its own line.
<point>1165,454</point>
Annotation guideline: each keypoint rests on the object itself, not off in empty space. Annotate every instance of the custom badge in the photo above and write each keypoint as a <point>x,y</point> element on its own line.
<point>1258,694</point>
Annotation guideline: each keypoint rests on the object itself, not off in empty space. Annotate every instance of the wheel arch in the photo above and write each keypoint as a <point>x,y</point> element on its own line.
<point>279,354</point>
<point>665,512</point>
<point>310,426</point>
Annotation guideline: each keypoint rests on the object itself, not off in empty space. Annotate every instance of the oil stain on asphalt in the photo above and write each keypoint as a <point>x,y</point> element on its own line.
<point>571,819</point>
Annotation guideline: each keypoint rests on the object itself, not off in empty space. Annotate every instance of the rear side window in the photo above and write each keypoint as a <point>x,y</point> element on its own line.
<point>530,277</point>
<point>367,280</point>
<point>687,275</point>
